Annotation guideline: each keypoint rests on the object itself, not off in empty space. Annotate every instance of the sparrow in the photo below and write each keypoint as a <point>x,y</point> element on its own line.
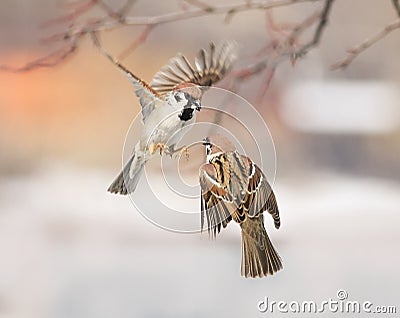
<point>169,104</point>
<point>233,187</point>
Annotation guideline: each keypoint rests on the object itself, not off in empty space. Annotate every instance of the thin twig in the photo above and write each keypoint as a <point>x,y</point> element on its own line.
<point>78,11</point>
<point>49,60</point>
<point>357,50</point>
<point>265,85</point>
<point>187,15</point>
<point>139,40</point>
<point>249,70</point>
<point>282,47</point>
<point>396,5</point>
<point>318,32</point>
<point>200,4</point>
<point>110,11</point>
<point>301,27</point>
<point>77,31</point>
<point>118,15</point>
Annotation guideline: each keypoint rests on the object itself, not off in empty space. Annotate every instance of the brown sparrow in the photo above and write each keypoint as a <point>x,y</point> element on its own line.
<point>168,104</point>
<point>234,187</point>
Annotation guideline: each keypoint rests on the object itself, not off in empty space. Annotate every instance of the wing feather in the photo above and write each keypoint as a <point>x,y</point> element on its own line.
<point>260,196</point>
<point>148,97</point>
<point>216,203</point>
<point>201,62</point>
<point>210,66</point>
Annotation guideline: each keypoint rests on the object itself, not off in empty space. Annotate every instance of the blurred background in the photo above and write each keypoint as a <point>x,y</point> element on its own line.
<point>68,248</point>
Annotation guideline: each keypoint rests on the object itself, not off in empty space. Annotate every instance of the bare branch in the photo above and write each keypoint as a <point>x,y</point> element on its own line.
<point>318,32</point>
<point>249,70</point>
<point>396,5</point>
<point>284,45</point>
<point>200,4</point>
<point>49,60</point>
<point>265,85</point>
<point>301,27</point>
<point>284,39</point>
<point>116,19</point>
<point>108,56</point>
<point>187,15</point>
<point>139,40</point>
<point>355,51</point>
<point>79,10</point>
<point>118,15</point>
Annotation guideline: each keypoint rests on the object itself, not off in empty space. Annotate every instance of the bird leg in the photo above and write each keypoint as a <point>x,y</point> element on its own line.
<point>163,148</point>
<point>169,151</point>
<point>180,151</point>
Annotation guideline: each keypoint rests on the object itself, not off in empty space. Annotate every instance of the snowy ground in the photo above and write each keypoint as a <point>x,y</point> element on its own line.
<point>70,249</point>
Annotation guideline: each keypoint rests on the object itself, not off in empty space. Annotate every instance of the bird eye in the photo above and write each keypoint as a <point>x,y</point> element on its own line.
<point>177,98</point>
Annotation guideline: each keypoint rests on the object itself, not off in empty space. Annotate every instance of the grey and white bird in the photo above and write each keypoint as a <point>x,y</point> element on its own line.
<point>169,104</point>
<point>233,187</point>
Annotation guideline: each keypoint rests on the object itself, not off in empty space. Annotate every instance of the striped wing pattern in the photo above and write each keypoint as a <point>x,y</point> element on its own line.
<point>246,194</point>
<point>210,66</point>
<point>259,195</point>
<point>216,202</point>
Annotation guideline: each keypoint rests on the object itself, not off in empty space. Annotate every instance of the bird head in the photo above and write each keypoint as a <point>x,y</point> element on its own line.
<point>187,98</point>
<point>216,145</point>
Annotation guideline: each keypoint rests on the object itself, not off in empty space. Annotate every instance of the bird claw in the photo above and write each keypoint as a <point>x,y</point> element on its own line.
<point>163,148</point>
<point>186,151</point>
<point>182,151</point>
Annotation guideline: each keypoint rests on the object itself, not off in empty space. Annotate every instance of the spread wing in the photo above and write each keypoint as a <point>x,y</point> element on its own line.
<point>259,195</point>
<point>210,66</point>
<point>148,97</point>
<point>216,203</point>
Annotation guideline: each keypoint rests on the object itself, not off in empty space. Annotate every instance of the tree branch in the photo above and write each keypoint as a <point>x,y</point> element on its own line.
<point>318,32</point>
<point>280,48</point>
<point>49,60</point>
<point>117,19</point>
<point>118,15</point>
<point>396,5</point>
<point>194,13</point>
<point>139,40</point>
<point>357,50</point>
<point>200,4</point>
<point>78,11</point>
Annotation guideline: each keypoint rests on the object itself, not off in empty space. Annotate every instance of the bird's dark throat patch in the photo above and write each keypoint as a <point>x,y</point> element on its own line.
<point>186,114</point>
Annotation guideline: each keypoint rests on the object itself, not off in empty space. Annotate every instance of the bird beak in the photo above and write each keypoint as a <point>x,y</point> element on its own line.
<point>198,106</point>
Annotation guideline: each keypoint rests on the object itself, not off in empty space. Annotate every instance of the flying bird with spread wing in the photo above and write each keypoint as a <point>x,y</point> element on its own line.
<point>169,104</point>
<point>233,187</point>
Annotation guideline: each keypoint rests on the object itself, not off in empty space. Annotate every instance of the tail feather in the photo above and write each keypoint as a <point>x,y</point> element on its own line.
<point>259,257</point>
<point>127,181</point>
